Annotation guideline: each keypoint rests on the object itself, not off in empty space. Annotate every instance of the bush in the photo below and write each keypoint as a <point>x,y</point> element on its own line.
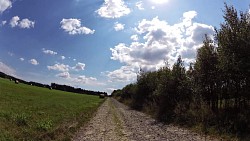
<point>44,125</point>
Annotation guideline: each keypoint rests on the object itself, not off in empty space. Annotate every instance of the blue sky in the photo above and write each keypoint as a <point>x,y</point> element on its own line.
<point>101,44</point>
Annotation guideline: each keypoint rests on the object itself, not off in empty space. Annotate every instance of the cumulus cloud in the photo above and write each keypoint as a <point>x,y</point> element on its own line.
<point>33,62</point>
<point>113,9</point>
<point>63,75</point>
<point>7,69</point>
<point>14,21</point>
<point>79,66</point>
<point>139,5</point>
<point>118,26</point>
<point>4,5</point>
<point>124,74</point>
<point>83,79</point>
<point>49,52</point>
<point>188,17</point>
<point>198,30</point>
<point>134,37</point>
<point>63,57</point>
<point>73,27</point>
<point>21,59</point>
<point>161,42</point>
<point>59,67</point>
<point>65,68</point>
<point>24,23</point>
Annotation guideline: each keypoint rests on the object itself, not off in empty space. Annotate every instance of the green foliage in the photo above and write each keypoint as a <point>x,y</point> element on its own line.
<point>207,73</point>
<point>44,125</point>
<point>20,119</point>
<point>213,94</point>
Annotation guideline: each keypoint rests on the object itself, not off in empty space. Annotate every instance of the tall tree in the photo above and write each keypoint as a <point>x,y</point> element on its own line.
<point>207,72</point>
<point>234,54</point>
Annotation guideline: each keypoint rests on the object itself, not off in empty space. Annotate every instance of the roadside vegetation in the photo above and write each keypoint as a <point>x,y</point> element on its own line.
<point>35,113</point>
<point>213,94</point>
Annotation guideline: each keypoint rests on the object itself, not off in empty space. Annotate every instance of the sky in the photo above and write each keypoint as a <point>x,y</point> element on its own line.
<point>101,45</point>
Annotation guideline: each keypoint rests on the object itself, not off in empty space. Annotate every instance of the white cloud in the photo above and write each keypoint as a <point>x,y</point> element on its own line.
<point>124,74</point>
<point>118,26</point>
<point>188,17</point>
<point>24,23</point>
<point>159,1</point>
<point>22,59</point>
<point>78,80</point>
<point>7,69</point>
<point>49,52</point>
<point>79,66</point>
<point>113,9</point>
<point>198,30</point>
<point>63,57</point>
<point>33,62</point>
<point>63,75</point>
<point>161,42</point>
<point>3,23</point>
<point>134,37</point>
<point>14,21</point>
<point>85,80</point>
<point>73,27</point>
<point>139,5</point>
<point>59,67</point>
<point>4,5</point>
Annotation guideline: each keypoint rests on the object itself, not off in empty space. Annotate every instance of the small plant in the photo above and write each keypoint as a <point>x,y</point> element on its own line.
<point>44,125</point>
<point>21,119</point>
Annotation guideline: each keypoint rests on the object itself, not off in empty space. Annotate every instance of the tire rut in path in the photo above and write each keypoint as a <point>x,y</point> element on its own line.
<point>116,122</point>
<point>106,125</point>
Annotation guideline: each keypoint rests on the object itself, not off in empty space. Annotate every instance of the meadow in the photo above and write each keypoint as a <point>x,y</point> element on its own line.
<point>34,113</point>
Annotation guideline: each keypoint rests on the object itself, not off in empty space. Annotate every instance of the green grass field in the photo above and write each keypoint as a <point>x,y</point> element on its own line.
<point>33,113</point>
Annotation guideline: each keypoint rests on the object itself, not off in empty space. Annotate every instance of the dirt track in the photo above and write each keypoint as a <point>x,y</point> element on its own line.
<point>116,122</point>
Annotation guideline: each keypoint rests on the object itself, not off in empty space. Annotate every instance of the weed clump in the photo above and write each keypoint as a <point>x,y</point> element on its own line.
<point>20,119</point>
<point>45,125</point>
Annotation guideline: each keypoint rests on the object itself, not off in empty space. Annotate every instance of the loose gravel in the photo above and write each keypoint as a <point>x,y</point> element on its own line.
<point>116,122</point>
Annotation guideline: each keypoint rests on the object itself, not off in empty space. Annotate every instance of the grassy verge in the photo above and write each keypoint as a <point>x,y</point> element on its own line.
<point>33,113</point>
<point>117,121</point>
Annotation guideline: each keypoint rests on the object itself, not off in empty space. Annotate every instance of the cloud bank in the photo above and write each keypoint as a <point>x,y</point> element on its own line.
<point>161,42</point>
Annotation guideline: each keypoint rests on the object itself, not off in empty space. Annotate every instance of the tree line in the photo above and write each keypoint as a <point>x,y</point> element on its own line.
<point>53,86</point>
<point>213,93</point>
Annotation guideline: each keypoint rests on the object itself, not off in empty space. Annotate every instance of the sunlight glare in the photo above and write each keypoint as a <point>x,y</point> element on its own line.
<point>159,1</point>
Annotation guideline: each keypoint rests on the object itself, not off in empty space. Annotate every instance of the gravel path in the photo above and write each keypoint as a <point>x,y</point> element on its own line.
<point>116,122</point>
